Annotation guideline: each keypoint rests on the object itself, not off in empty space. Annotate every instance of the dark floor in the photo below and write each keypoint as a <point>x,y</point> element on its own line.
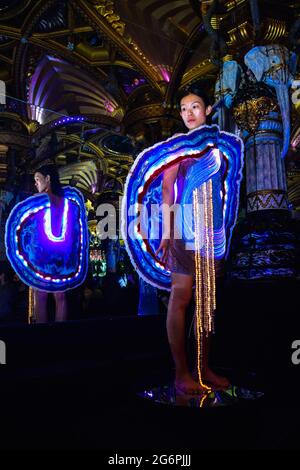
<point>74,385</point>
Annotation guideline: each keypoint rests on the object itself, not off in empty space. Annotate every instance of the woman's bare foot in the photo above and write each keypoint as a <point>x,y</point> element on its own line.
<point>188,386</point>
<point>214,380</point>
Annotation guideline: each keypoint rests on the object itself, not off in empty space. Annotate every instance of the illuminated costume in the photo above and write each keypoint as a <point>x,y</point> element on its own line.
<point>209,160</point>
<point>43,259</point>
<point>206,196</point>
<point>181,260</point>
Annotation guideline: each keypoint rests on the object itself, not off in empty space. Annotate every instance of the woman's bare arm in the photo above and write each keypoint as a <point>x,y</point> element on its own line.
<point>169,179</point>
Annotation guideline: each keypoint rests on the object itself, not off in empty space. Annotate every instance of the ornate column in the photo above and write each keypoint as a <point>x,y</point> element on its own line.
<point>15,142</point>
<point>5,196</point>
<point>264,242</point>
<point>3,163</point>
<point>260,121</point>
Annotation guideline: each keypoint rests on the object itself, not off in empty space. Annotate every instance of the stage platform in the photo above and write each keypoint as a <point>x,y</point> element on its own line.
<point>80,384</point>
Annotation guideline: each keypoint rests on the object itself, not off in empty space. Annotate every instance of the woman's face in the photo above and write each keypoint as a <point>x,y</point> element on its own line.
<point>193,111</point>
<point>42,183</point>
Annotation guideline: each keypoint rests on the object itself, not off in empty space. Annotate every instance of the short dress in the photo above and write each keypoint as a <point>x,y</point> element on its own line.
<point>180,259</point>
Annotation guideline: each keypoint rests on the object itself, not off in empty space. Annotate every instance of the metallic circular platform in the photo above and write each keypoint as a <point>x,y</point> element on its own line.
<point>166,394</point>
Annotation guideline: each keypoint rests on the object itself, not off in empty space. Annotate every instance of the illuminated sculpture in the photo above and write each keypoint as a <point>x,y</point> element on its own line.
<point>257,61</point>
<point>141,214</point>
<point>258,97</point>
<point>41,259</point>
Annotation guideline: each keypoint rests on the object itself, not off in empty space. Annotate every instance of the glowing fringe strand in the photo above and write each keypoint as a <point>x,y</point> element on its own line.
<point>205,269</point>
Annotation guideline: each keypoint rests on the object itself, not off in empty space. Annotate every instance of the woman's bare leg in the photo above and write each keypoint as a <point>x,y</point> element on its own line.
<point>40,306</point>
<point>61,306</point>
<point>181,293</point>
<point>209,377</point>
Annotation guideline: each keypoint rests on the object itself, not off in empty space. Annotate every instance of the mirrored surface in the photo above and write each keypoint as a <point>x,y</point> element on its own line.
<point>167,395</point>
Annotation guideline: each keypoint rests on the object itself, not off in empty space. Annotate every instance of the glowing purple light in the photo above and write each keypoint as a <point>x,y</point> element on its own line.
<point>68,120</point>
<point>48,227</point>
<point>109,106</point>
<point>164,73</point>
<point>48,231</point>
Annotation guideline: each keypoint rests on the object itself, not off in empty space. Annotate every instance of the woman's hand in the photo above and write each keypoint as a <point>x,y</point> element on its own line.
<point>164,248</point>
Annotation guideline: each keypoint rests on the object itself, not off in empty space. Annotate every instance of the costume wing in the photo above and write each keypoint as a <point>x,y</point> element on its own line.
<point>141,206</point>
<point>42,260</point>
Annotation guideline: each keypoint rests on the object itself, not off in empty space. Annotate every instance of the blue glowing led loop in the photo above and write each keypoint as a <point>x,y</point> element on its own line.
<point>41,259</point>
<point>218,156</point>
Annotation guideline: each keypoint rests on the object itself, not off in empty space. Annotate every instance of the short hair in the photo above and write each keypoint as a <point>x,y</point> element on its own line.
<point>52,171</point>
<point>193,89</point>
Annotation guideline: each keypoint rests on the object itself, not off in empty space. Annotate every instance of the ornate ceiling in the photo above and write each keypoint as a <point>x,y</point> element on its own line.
<point>94,80</point>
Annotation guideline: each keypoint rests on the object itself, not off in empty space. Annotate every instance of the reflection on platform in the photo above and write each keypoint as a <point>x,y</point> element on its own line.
<point>166,394</point>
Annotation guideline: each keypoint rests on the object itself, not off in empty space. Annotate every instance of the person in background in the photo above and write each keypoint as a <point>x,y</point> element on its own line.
<point>47,181</point>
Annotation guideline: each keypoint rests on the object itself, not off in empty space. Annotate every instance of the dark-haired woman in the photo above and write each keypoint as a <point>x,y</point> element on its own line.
<point>47,181</point>
<point>194,109</point>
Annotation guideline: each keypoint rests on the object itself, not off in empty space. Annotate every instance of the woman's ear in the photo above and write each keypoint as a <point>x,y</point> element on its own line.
<point>208,110</point>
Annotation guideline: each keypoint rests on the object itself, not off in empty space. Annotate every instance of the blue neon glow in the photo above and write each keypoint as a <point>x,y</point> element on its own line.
<point>48,225</point>
<point>40,259</point>
<point>144,186</point>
